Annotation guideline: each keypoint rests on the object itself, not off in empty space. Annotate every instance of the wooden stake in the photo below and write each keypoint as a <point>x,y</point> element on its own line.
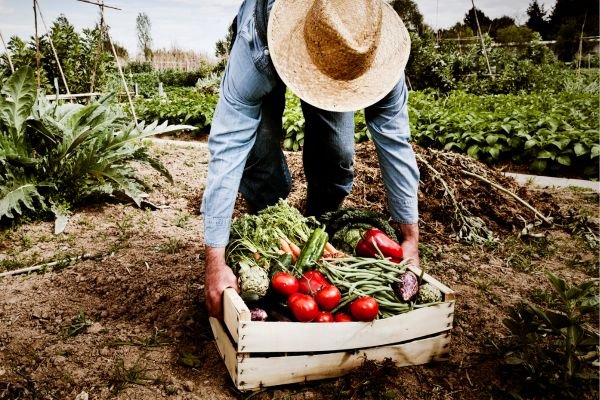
<point>62,74</point>
<point>37,45</point>
<point>481,37</point>
<point>12,68</point>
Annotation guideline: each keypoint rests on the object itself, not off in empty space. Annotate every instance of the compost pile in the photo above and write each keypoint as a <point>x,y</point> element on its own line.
<point>452,204</point>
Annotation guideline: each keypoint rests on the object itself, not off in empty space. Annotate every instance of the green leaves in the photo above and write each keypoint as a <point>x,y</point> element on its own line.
<point>546,131</point>
<point>82,151</point>
<point>18,194</point>
<point>16,99</point>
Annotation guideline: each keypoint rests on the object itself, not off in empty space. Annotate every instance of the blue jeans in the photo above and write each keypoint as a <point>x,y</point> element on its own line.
<point>245,137</point>
<point>327,158</point>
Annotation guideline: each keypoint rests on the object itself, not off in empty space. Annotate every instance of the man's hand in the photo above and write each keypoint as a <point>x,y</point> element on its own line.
<point>218,277</point>
<point>410,241</point>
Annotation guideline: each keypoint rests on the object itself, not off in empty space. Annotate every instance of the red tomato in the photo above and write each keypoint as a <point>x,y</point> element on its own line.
<point>304,307</point>
<point>324,316</point>
<point>284,283</point>
<point>315,275</point>
<point>293,297</point>
<point>328,297</point>
<point>364,309</point>
<point>311,282</point>
<point>342,317</point>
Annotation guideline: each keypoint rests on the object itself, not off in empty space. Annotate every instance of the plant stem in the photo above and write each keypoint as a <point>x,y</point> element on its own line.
<point>520,200</point>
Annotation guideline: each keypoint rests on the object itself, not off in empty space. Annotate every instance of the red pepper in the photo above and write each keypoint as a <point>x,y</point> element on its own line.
<point>375,239</point>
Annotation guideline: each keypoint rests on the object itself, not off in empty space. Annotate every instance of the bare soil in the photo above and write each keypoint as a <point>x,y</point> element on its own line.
<point>128,320</point>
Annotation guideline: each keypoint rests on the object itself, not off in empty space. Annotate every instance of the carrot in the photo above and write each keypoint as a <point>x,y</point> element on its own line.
<point>285,246</point>
<point>295,250</point>
<point>330,249</point>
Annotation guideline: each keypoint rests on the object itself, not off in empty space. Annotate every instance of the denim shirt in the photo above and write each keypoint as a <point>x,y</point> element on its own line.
<point>248,77</point>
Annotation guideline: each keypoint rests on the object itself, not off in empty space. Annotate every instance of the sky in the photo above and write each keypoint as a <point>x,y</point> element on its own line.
<point>198,24</point>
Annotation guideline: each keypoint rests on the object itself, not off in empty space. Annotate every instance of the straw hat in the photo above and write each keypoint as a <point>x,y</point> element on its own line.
<point>338,55</point>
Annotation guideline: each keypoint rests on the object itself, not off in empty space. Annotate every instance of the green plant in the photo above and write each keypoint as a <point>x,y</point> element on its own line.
<point>554,352</point>
<point>549,132</point>
<point>123,376</point>
<point>77,325</point>
<point>171,247</point>
<point>52,154</point>
<point>293,123</point>
<point>182,219</point>
<point>180,106</point>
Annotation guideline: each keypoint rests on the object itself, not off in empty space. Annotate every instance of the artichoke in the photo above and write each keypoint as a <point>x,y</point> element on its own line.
<point>254,281</point>
<point>428,294</point>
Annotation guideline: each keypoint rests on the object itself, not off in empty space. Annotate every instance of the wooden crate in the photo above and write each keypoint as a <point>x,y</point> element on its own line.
<point>259,354</point>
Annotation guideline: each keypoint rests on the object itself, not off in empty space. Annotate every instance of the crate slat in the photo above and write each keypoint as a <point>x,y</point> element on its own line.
<point>255,372</point>
<point>225,347</point>
<point>234,311</point>
<point>257,337</point>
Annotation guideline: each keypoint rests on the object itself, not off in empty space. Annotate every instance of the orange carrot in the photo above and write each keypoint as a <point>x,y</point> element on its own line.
<point>295,250</point>
<point>285,246</point>
<point>330,249</point>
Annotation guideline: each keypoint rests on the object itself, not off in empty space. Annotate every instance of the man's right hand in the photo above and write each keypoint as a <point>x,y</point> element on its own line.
<point>218,277</point>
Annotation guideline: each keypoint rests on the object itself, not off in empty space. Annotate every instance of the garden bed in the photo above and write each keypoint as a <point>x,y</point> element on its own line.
<point>131,323</point>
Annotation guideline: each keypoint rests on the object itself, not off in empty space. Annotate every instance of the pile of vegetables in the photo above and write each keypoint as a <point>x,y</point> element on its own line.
<point>288,270</point>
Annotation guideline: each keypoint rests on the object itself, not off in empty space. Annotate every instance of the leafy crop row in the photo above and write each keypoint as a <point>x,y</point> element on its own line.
<point>549,132</point>
<point>555,133</point>
<point>180,106</point>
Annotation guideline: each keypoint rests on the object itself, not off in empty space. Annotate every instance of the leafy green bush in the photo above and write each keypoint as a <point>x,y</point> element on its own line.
<point>550,132</point>
<point>180,106</point>
<point>52,154</point>
<point>553,353</point>
<point>447,66</point>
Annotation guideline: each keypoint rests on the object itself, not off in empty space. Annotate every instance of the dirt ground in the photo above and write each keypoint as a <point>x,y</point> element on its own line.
<point>127,319</point>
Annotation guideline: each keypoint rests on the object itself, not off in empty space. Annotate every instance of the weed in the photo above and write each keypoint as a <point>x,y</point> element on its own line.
<point>77,325</point>
<point>155,339</point>
<point>122,376</point>
<point>182,219</point>
<point>521,253</point>
<point>26,241</point>
<point>553,353</point>
<point>171,247</point>
<point>124,226</point>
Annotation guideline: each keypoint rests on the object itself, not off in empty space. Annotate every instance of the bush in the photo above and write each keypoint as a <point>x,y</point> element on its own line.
<point>52,155</point>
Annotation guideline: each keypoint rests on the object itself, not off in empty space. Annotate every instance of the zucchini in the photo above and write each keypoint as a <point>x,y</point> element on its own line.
<point>312,250</point>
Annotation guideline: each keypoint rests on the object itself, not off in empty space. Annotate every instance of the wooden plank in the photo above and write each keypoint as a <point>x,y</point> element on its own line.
<point>234,311</point>
<point>307,337</point>
<point>448,293</point>
<point>255,372</point>
<point>71,96</point>
<point>225,347</point>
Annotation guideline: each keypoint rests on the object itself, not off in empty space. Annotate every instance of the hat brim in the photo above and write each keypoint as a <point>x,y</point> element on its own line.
<point>295,67</point>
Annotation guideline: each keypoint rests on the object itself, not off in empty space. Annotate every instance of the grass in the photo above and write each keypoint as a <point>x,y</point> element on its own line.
<point>155,339</point>
<point>182,219</point>
<point>171,247</point>
<point>123,376</point>
<point>77,325</point>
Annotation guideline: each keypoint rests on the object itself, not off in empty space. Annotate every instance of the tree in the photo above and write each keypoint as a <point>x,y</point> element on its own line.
<point>143,27</point>
<point>471,21</point>
<point>537,19</point>
<point>410,15</point>
<point>566,22</point>
<point>458,30</point>
<point>514,34</point>
<point>500,23</point>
